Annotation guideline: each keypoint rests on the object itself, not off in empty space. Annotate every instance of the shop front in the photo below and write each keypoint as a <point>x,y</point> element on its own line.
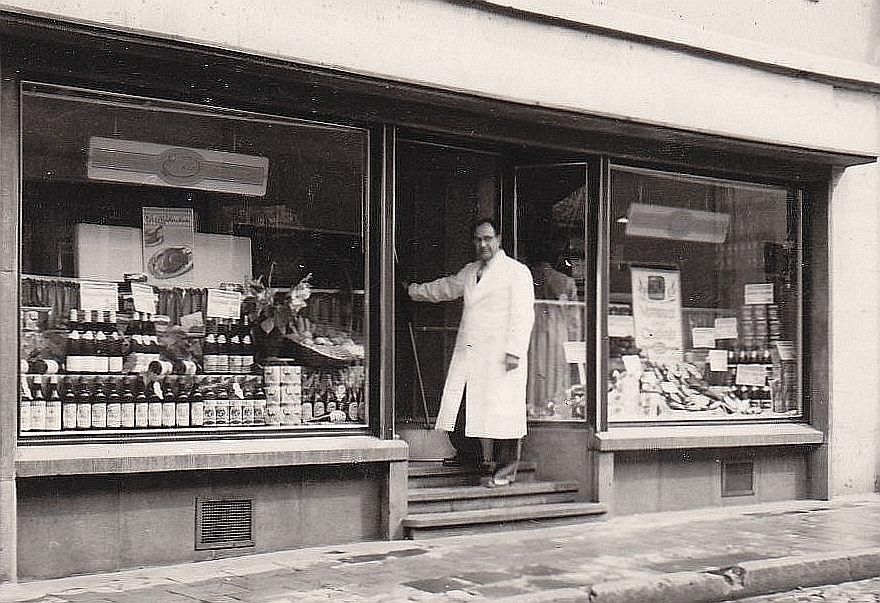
<point>203,351</point>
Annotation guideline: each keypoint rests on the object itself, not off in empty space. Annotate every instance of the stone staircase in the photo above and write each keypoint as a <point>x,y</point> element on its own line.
<point>446,501</point>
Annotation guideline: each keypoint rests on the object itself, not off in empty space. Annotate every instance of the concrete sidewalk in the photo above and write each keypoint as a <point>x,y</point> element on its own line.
<point>698,555</point>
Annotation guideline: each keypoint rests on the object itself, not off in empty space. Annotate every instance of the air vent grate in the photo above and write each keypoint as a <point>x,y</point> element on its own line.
<point>224,523</point>
<point>738,479</point>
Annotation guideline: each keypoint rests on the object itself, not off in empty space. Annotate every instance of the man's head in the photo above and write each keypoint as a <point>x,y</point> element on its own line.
<point>487,239</point>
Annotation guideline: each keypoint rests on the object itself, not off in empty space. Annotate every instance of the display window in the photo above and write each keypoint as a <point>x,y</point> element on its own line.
<point>552,201</point>
<point>188,269</point>
<point>704,303</point>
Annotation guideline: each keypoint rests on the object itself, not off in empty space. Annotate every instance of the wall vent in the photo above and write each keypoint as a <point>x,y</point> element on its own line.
<point>738,478</point>
<point>224,523</point>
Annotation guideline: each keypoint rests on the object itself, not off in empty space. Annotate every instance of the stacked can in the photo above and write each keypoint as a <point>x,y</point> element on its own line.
<point>283,395</point>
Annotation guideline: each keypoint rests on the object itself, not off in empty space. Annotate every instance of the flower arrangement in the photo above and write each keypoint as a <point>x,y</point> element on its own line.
<point>274,312</point>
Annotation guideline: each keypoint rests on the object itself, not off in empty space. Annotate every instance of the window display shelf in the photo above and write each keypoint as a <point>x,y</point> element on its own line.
<point>144,457</point>
<point>728,435</point>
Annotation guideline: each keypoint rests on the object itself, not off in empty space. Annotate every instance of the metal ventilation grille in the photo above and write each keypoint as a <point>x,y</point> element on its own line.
<point>224,523</point>
<point>738,479</point>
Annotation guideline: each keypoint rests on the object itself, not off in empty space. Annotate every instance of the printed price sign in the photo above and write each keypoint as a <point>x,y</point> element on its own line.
<point>726,328</point>
<point>143,297</point>
<point>751,374</point>
<point>223,304</point>
<point>718,361</point>
<point>703,337</point>
<point>96,295</point>
<point>759,293</point>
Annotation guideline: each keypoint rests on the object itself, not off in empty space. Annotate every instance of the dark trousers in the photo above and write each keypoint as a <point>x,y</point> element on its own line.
<point>467,449</point>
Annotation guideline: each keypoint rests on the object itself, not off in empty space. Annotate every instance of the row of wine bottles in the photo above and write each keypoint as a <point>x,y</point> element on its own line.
<point>85,402</point>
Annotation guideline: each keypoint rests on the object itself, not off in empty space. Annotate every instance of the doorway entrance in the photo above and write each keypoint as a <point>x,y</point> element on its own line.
<point>441,189</point>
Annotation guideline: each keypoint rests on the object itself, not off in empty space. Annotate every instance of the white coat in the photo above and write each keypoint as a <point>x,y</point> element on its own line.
<point>496,320</point>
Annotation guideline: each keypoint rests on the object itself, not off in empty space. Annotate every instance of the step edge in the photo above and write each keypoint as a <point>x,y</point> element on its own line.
<point>444,493</point>
<point>521,513</point>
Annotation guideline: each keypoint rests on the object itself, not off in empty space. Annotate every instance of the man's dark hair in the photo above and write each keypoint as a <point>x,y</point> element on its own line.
<point>487,220</point>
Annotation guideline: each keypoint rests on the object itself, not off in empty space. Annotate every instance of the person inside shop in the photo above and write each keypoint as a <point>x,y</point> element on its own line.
<point>485,391</point>
<point>551,283</point>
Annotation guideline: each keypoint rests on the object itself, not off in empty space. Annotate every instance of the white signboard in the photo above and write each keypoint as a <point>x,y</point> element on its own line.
<point>656,295</point>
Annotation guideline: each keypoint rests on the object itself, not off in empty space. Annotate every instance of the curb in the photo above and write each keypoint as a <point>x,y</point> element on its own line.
<point>748,579</point>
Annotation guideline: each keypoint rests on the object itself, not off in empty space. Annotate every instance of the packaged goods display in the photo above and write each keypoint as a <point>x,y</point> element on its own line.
<point>125,371</point>
<point>750,376</point>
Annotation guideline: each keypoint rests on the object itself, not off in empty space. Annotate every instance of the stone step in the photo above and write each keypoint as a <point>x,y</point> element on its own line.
<point>463,498</point>
<point>432,474</point>
<point>452,523</point>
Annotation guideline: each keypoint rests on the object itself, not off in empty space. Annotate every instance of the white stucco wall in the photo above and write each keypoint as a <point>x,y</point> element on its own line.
<point>462,47</point>
<point>855,313</point>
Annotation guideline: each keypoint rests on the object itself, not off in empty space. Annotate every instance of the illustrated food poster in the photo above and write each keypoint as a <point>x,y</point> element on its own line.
<point>168,235</point>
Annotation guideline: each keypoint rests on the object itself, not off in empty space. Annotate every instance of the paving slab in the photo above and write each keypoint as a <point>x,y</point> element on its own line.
<point>698,555</point>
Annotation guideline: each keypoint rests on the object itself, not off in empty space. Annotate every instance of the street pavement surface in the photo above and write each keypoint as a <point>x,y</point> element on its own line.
<point>716,554</point>
<point>863,591</point>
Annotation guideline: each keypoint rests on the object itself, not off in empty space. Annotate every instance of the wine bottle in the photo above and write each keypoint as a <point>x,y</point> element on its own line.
<point>84,405</point>
<point>236,402</point>
<point>68,406</point>
<point>182,404</point>
<point>53,406</point>
<point>141,406</point>
<point>114,406</point>
<point>38,406</point>
<point>197,405</point>
<point>221,411</point>
<point>127,412</point>
<point>154,405</point>
<point>24,405</point>
<point>169,404</point>
<point>99,405</point>
<point>210,405</point>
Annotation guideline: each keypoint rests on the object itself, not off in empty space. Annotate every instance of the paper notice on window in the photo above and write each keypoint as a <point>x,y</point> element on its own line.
<point>785,349</point>
<point>223,304</point>
<point>621,326</point>
<point>703,337</point>
<point>143,297</point>
<point>751,374</point>
<point>633,364</point>
<point>718,361</point>
<point>96,295</point>
<point>726,328</point>
<point>758,293</point>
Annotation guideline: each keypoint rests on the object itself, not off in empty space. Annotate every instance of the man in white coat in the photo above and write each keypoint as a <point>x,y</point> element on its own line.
<point>489,362</point>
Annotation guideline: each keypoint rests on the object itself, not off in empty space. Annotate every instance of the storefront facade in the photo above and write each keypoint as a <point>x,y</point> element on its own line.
<point>203,349</point>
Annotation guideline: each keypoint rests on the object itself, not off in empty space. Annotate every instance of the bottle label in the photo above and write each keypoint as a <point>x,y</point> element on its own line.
<point>182,418</point>
<point>114,364</point>
<point>259,412</point>
<point>210,412</point>
<point>53,415</point>
<point>154,414</point>
<point>83,415</point>
<point>24,415</point>
<point>235,409</point>
<point>197,414</point>
<point>127,415</point>
<point>273,413</point>
<point>247,412</point>
<point>38,415</point>
<point>68,416</point>
<point>221,413</point>
<point>99,415</point>
<point>169,414</point>
<point>114,415</point>
<point>141,414</point>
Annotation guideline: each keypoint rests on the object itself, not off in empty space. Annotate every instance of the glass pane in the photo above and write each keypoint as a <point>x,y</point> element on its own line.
<point>704,305</point>
<point>551,203</point>
<point>188,270</point>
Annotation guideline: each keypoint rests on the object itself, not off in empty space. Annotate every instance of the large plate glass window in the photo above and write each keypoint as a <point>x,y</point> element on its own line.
<point>704,307</point>
<point>551,206</point>
<point>187,269</point>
